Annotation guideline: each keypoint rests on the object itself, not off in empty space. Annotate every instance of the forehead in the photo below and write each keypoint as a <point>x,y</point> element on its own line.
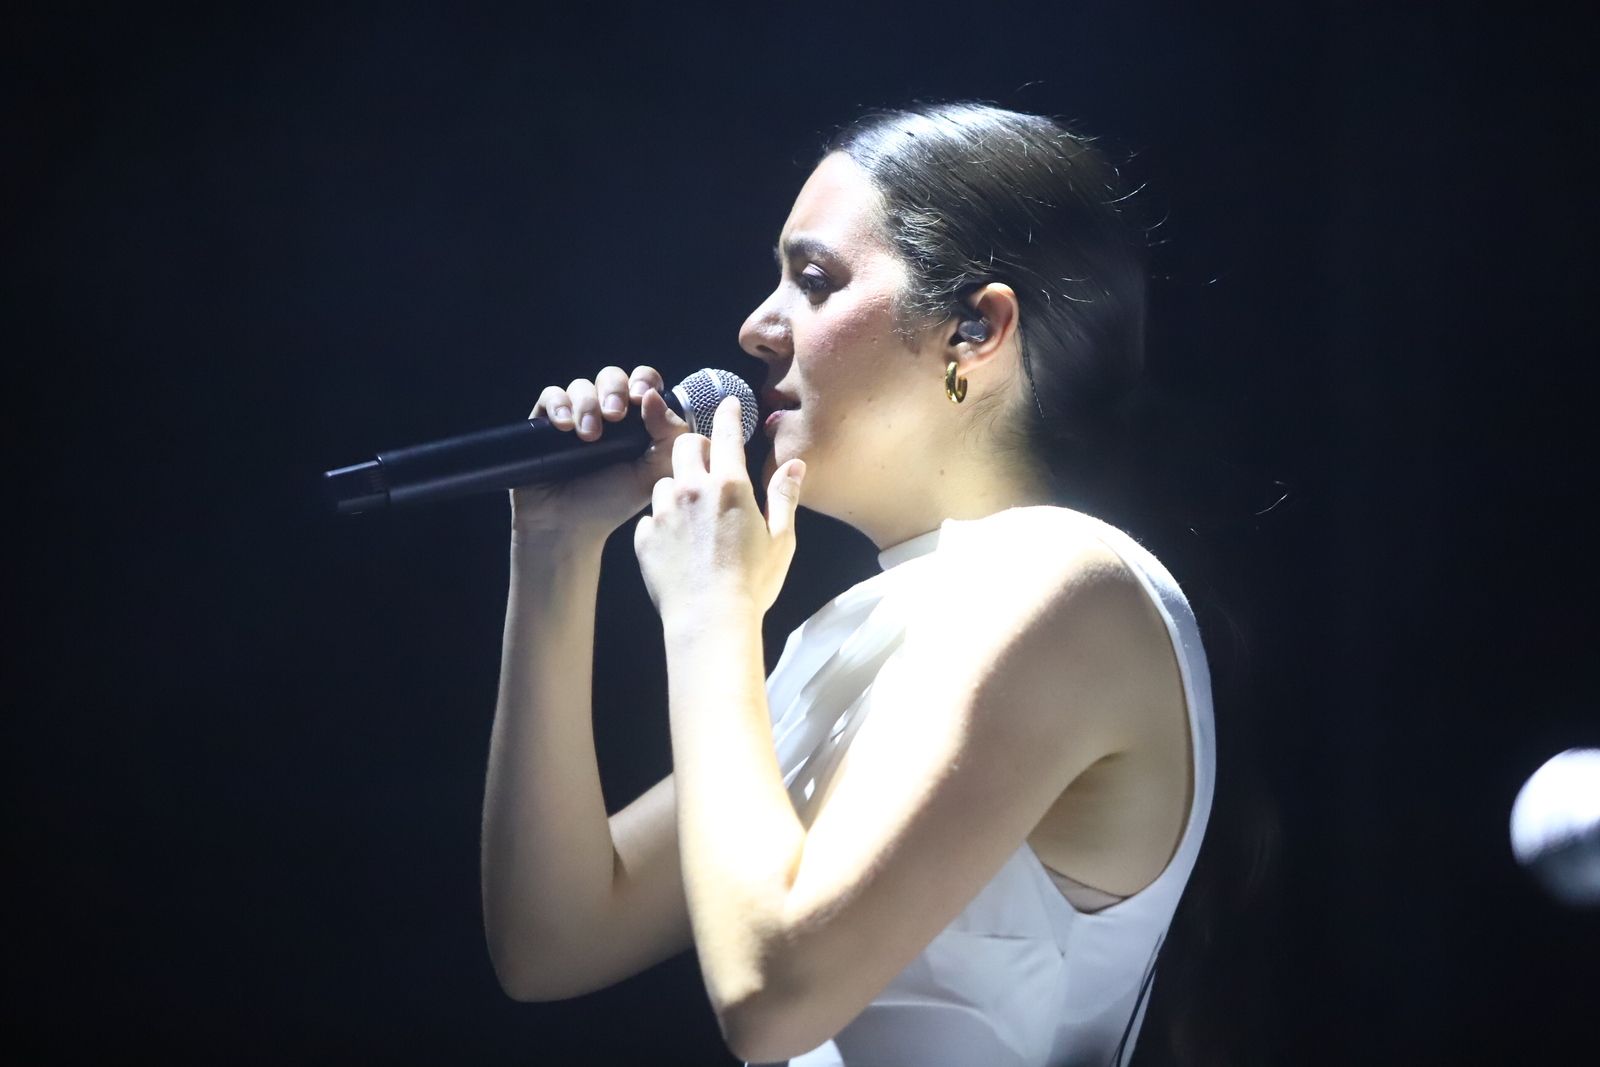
<point>838,204</point>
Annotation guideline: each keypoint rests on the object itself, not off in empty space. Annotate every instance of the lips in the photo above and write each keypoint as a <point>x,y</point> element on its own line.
<point>771,400</point>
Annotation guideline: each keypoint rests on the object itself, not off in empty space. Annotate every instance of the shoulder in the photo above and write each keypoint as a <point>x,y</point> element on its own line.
<point>1007,686</point>
<point>1036,563</point>
<point>1038,604</point>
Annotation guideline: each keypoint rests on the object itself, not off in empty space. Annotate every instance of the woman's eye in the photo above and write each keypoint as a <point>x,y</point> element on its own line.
<point>812,283</point>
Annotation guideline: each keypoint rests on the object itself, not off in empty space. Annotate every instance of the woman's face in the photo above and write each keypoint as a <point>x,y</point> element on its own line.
<point>866,399</point>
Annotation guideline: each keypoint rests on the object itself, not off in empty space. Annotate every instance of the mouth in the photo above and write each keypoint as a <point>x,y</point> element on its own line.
<point>772,401</point>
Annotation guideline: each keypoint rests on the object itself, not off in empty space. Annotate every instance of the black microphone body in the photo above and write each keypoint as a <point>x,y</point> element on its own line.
<point>530,452</point>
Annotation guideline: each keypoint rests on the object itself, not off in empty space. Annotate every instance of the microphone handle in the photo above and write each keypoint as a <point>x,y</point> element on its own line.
<point>524,453</point>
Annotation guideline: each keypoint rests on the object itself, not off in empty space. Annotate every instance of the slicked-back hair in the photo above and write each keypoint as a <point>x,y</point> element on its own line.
<point>974,194</point>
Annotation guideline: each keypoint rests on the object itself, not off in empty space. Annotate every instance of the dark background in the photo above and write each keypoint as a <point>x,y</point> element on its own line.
<point>246,740</point>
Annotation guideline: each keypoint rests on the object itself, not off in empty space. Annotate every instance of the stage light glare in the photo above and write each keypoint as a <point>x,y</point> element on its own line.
<point>1555,826</point>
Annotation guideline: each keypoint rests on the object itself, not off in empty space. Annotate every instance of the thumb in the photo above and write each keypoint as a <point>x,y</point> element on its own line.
<point>783,497</point>
<point>658,418</point>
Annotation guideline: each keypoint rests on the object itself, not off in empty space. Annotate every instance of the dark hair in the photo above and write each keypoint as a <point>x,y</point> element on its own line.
<point>976,194</point>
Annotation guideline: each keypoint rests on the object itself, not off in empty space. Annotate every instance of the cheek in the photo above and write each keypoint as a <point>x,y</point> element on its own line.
<point>848,335</point>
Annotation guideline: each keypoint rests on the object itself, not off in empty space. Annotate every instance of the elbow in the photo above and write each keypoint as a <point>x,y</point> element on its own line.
<point>519,978</point>
<point>752,1049</point>
<point>528,988</point>
<point>540,970</point>
<point>528,993</point>
<point>770,1028</point>
<point>786,1013</point>
<point>515,978</point>
<point>508,958</point>
<point>527,962</point>
<point>764,1036</point>
<point>521,990</point>
<point>746,1037</point>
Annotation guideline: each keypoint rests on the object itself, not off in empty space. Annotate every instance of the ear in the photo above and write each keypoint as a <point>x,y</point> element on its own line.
<point>996,302</point>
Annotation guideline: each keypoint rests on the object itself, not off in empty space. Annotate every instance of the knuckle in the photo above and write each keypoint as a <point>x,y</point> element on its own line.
<point>638,389</point>
<point>550,400</point>
<point>613,387</point>
<point>583,411</point>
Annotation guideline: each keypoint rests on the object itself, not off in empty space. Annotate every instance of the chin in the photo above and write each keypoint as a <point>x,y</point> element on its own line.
<point>769,466</point>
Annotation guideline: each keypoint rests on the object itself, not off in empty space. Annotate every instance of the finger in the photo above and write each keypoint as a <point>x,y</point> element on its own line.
<point>659,419</point>
<point>727,441</point>
<point>585,408</point>
<point>612,385</point>
<point>690,454</point>
<point>661,496</point>
<point>643,380</point>
<point>641,533</point>
<point>555,405</point>
<point>783,498</point>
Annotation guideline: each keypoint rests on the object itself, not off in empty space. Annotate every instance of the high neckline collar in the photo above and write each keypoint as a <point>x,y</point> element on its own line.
<point>924,543</point>
<point>910,548</point>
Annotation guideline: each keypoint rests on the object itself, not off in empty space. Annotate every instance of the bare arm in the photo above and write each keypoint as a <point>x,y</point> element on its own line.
<point>572,900</point>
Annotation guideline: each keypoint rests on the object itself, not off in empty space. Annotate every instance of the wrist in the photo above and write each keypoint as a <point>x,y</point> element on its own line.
<point>710,610</point>
<point>555,556</point>
<point>567,537</point>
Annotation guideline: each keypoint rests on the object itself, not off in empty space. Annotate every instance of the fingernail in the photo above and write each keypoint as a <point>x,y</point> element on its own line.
<point>587,425</point>
<point>563,412</point>
<point>611,405</point>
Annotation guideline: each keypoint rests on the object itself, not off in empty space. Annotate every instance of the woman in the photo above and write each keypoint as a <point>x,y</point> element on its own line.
<point>953,825</point>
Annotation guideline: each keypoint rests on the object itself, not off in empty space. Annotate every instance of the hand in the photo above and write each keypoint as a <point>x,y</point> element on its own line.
<point>603,499</point>
<point>705,539</point>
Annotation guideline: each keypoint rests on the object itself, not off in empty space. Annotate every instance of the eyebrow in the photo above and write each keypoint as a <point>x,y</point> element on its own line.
<point>801,246</point>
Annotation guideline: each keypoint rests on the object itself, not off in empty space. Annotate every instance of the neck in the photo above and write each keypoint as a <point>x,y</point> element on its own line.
<point>920,508</point>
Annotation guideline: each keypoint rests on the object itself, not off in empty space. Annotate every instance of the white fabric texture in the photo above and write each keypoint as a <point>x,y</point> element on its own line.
<point>1020,978</point>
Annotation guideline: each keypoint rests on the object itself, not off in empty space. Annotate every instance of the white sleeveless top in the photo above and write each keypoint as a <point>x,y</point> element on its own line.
<point>1020,978</point>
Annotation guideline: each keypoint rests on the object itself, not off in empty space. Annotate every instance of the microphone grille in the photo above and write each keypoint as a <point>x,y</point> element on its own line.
<point>702,391</point>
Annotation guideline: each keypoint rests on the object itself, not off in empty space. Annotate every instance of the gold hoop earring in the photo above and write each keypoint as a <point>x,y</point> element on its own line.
<point>954,389</point>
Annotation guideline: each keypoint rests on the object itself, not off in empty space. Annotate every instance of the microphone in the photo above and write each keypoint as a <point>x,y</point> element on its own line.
<point>531,452</point>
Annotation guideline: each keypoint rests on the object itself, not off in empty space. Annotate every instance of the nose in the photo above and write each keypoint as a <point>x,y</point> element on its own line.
<point>765,333</point>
